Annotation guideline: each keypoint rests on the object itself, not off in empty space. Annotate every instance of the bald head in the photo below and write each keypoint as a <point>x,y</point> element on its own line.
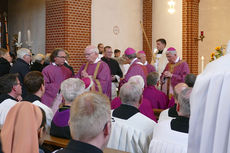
<point>178,88</point>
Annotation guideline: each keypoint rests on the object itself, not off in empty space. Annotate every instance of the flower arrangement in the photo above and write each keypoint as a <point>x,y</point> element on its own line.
<point>218,53</point>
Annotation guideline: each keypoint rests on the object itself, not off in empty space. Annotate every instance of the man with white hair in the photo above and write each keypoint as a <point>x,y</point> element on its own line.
<point>90,124</point>
<point>131,131</point>
<point>174,72</point>
<point>97,70</point>
<point>70,89</point>
<point>38,61</point>
<point>172,134</point>
<point>142,57</point>
<point>22,66</point>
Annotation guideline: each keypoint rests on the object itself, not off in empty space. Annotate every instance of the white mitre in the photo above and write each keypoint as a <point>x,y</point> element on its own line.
<point>209,121</point>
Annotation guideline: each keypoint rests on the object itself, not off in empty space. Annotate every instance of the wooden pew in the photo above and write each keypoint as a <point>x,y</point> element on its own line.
<point>157,112</point>
<point>62,143</point>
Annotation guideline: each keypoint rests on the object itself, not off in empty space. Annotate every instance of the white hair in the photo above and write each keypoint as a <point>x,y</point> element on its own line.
<point>92,48</point>
<point>38,58</point>
<point>184,101</point>
<point>137,79</point>
<point>89,114</point>
<point>130,93</point>
<point>171,52</point>
<point>22,52</point>
<point>71,88</point>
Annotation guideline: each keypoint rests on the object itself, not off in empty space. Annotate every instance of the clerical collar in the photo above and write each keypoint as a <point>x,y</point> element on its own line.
<point>145,63</point>
<point>97,60</point>
<point>160,52</point>
<point>54,64</point>
<point>177,59</point>
<point>125,111</point>
<point>32,98</point>
<point>133,61</point>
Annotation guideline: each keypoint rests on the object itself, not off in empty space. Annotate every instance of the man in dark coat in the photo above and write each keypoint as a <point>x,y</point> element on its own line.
<point>5,60</point>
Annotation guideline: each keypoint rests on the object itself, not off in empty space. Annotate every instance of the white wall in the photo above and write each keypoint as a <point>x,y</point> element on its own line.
<point>126,14</point>
<point>28,14</point>
<point>168,26</point>
<point>214,20</point>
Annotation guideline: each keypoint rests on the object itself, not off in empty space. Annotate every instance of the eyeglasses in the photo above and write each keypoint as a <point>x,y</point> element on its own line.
<point>61,56</point>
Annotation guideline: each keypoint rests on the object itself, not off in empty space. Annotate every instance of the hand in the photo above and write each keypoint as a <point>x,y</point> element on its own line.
<point>167,74</point>
<point>84,74</point>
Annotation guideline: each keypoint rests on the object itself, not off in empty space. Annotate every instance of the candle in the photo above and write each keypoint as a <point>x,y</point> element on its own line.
<point>19,37</point>
<point>28,35</point>
<point>202,33</point>
<point>202,64</point>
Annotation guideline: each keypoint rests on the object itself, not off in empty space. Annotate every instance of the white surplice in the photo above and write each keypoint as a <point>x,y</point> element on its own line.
<point>132,135</point>
<point>210,109</point>
<point>166,140</point>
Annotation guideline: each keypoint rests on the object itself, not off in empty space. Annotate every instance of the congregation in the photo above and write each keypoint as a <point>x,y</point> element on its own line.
<point>108,103</point>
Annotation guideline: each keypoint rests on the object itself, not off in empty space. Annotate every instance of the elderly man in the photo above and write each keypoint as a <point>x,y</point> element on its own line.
<point>131,131</point>
<point>5,61</point>
<point>54,74</point>
<point>90,124</point>
<point>114,69</point>
<point>34,83</point>
<point>38,63</point>
<point>97,70</point>
<point>161,60</point>
<point>136,67</point>
<point>174,72</point>
<point>142,57</point>
<point>172,134</point>
<point>11,91</point>
<point>22,66</point>
<point>171,112</point>
<point>70,89</point>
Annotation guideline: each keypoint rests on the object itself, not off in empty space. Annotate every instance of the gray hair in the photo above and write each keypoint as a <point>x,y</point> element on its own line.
<point>190,79</point>
<point>92,48</point>
<point>89,114</point>
<point>152,78</point>
<point>131,56</point>
<point>130,93</point>
<point>137,79</point>
<point>38,58</point>
<point>22,52</point>
<point>184,101</point>
<point>71,88</point>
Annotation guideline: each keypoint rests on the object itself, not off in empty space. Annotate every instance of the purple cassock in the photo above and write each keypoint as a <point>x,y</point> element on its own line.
<point>101,76</point>
<point>157,98</point>
<point>53,76</point>
<point>145,107</point>
<point>150,68</point>
<point>135,69</point>
<point>179,70</point>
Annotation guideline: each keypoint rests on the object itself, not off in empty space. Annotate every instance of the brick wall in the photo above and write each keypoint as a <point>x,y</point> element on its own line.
<point>68,25</point>
<point>190,19</point>
<point>147,24</point>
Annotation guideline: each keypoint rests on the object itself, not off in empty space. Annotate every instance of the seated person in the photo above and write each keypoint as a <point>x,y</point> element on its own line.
<point>131,131</point>
<point>38,62</point>
<point>70,89</point>
<point>157,98</point>
<point>34,83</point>
<point>90,124</point>
<point>11,91</point>
<point>190,79</point>
<point>145,106</point>
<point>171,112</point>
<point>24,129</point>
<point>172,134</point>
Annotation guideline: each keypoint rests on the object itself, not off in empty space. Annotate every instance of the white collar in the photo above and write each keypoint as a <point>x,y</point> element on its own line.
<point>145,63</point>
<point>133,61</point>
<point>54,64</point>
<point>177,59</point>
<point>97,60</point>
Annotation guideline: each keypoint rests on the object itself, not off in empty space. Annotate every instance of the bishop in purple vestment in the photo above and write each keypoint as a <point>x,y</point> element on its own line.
<point>54,74</point>
<point>174,72</point>
<point>97,70</point>
<point>136,67</point>
<point>142,57</point>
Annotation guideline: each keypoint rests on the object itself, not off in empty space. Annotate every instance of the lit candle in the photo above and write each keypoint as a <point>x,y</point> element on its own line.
<point>19,37</point>
<point>202,64</point>
<point>28,35</point>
